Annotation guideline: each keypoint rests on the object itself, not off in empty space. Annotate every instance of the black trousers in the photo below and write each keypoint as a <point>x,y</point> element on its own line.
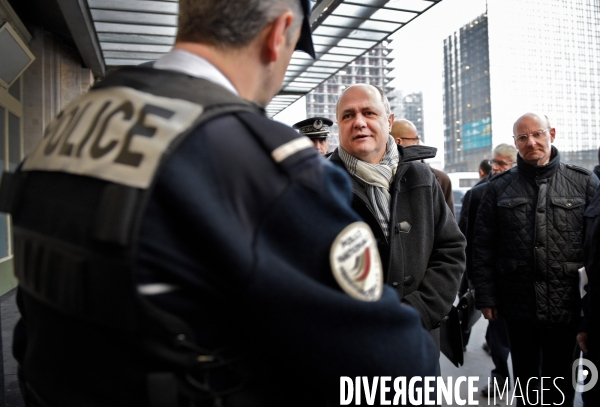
<point>591,398</point>
<point>547,353</point>
<point>497,339</point>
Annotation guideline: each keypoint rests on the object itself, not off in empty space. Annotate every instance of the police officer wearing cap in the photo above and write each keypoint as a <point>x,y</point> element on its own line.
<point>316,129</point>
<point>174,246</point>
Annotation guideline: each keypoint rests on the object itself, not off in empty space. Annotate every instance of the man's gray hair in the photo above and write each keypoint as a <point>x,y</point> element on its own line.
<point>384,99</point>
<point>506,150</point>
<point>230,24</point>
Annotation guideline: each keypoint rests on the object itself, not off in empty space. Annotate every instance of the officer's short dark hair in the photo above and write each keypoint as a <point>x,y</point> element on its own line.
<point>231,24</point>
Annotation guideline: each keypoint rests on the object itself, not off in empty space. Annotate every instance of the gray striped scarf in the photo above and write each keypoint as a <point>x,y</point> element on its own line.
<point>377,179</point>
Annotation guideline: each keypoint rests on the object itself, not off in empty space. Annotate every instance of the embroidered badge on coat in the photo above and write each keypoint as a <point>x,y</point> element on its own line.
<point>356,264</point>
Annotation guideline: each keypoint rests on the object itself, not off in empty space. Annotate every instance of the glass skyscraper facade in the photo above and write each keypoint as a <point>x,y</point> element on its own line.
<point>412,109</point>
<point>542,56</point>
<point>467,111</point>
<point>545,57</point>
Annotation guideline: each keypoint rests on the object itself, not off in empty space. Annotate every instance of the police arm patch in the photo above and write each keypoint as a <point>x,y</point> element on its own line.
<point>356,264</point>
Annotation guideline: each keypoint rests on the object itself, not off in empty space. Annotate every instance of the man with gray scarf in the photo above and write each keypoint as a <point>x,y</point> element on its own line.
<point>422,249</point>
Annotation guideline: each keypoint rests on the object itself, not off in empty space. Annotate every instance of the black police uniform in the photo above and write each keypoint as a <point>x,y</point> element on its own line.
<point>314,127</point>
<point>173,243</point>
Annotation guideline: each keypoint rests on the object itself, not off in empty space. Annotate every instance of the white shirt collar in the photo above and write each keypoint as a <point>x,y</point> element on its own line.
<point>194,65</point>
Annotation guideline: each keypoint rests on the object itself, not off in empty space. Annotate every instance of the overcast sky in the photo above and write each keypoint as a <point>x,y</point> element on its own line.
<point>418,52</point>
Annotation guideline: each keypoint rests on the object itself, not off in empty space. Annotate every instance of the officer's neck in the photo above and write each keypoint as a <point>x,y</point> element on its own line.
<point>237,65</point>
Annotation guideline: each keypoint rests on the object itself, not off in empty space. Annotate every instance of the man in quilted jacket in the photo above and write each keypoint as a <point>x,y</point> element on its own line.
<point>527,250</point>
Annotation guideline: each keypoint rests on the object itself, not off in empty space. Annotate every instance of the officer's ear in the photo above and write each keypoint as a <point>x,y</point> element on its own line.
<point>277,34</point>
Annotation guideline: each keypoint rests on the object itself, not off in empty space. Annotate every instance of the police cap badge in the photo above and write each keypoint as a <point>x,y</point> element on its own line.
<point>314,127</point>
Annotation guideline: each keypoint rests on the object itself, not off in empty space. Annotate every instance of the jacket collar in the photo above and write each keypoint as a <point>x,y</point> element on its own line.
<point>533,172</point>
<point>416,153</point>
<point>407,154</point>
<point>484,179</point>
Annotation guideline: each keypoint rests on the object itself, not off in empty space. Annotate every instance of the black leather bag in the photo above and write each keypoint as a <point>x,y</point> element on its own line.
<point>451,343</point>
<point>469,315</point>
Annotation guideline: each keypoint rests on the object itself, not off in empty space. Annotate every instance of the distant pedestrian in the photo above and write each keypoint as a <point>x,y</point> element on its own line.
<point>589,336</point>
<point>497,343</point>
<point>405,133</point>
<point>484,168</point>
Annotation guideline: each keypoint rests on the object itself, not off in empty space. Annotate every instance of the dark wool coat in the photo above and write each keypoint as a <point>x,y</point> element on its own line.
<point>591,250</point>
<point>528,242</point>
<point>444,180</point>
<point>468,214</point>
<point>424,256</point>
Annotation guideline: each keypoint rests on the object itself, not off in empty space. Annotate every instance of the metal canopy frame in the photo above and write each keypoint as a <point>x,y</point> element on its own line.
<point>130,32</point>
<point>343,30</point>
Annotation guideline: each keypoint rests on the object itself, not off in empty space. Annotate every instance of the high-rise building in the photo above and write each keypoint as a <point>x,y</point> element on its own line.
<point>542,56</point>
<point>396,105</point>
<point>467,111</point>
<point>412,107</point>
<point>545,56</point>
<point>409,107</point>
<point>373,68</point>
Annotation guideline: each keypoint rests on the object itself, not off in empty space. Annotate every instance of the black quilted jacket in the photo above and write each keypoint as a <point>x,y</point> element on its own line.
<point>528,241</point>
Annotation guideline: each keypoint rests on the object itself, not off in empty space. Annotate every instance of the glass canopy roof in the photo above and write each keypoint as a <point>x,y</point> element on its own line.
<point>134,31</point>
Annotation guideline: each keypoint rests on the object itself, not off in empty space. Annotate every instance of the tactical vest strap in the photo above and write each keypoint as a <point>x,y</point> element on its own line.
<point>81,284</point>
<point>117,214</point>
<point>163,389</point>
<point>10,188</point>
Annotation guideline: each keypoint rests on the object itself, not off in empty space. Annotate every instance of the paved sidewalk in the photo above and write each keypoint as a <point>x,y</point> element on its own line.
<point>479,363</point>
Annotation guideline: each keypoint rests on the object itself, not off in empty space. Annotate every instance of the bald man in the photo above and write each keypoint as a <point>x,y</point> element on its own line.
<point>395,193</point>
<point>405,133</point>
<point>527,250</point>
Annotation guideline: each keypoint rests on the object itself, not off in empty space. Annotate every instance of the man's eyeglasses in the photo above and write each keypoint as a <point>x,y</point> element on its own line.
<point>523,138</point>
<point>500,163</point>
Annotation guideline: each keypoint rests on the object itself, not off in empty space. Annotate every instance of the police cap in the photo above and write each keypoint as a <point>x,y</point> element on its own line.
<point>314,127</point>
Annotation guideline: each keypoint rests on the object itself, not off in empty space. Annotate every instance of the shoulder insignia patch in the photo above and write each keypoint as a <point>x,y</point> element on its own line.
<point>290,148</point>
<point>356,264</point>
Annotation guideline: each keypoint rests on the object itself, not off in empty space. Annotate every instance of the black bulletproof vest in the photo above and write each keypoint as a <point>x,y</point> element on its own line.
<point>91,340</point>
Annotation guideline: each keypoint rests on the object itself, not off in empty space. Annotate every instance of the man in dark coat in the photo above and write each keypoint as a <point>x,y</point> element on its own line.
<point>398,196</point>
<point>589,337</point>
<point>405,133</point>
<point>485,169</point>
<point>504,158</point>
<point>526,255</point>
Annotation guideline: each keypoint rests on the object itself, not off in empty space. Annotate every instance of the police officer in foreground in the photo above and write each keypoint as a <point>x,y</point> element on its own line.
<point>317,130</point>
<point>174,246</point>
